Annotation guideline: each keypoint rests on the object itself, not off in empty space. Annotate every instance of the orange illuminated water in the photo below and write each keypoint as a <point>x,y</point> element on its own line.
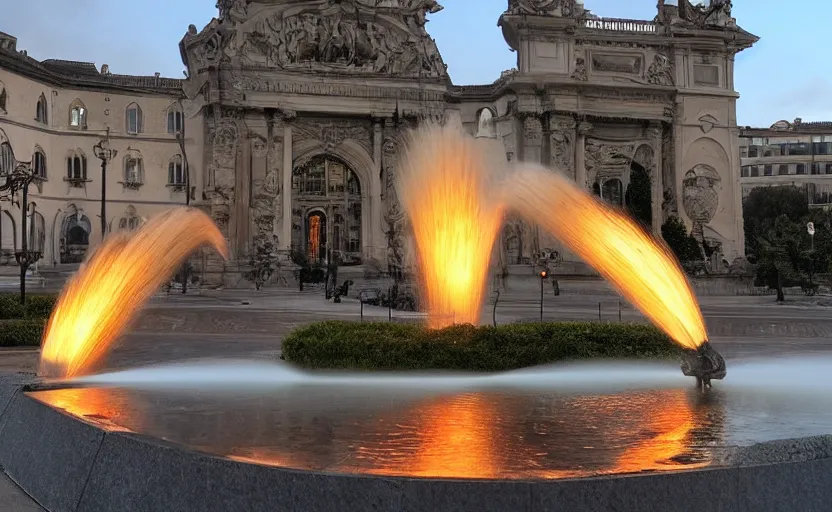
<point>638,265</point>
<point>445,185</point>
<point>105,294</point>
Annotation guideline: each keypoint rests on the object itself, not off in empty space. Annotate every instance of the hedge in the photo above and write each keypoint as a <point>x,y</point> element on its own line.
<point>392,346</point>
<point>21,333</point>
<point>37,306</point>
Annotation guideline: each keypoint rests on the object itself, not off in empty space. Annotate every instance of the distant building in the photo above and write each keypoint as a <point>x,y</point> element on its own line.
<point>796,153</point>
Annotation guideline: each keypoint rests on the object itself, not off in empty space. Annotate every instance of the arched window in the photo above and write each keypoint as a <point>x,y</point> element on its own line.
<point>3,97</point>
<point>134,119</point>
<point>611,192</point>
<point>41,115</point>
<point>39,163</point>
<point>485,124</point>
<point>176,119</point>
<point>133,169</point>
<point>77,114</point>
<point>176,171</point>
<point>8,237</point>
<point>37,232</point>
<point>76,167</point>
<point>6,158</point>
<point>131,220</point>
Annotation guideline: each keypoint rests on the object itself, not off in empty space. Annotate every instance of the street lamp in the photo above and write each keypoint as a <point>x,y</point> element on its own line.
<point>810,227</point>
<point>20,179</point>
<point>180,138</point>
<point>543,276</point>
<point>105,153</point>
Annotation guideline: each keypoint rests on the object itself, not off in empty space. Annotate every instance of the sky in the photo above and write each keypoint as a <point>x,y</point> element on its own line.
<point>784,76</point>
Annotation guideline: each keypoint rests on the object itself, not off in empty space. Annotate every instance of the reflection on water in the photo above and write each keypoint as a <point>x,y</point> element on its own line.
<point>486,434</point>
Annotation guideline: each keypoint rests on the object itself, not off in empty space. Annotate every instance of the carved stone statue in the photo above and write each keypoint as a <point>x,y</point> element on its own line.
<point>561,144</point>
<point>701,197</point>
<point>560,8</point>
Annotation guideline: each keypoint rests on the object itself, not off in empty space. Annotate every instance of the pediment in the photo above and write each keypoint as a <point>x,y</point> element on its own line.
<point>324,36</point>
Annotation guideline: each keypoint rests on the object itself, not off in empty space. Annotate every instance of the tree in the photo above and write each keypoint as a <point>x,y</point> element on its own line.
<point>684,247</point>
<point>764,205</point>
<point>782,255</point>
<point>264,261</point>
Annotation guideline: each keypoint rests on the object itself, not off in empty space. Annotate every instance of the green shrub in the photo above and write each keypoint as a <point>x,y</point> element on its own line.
<point>392,346</point>
<point>21,333</point>
<point>37,306</point>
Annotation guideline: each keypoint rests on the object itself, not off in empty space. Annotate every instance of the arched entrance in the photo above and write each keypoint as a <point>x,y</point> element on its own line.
<point>326,195</point>
<point>639,196</point>
<point>75,237</point>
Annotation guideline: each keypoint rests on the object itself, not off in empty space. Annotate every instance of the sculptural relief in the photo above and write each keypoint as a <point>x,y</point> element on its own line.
<point>701,187</point>
<point>606,161</point>
<point>341,42</point>
<point>660,71</point>
<point>333,133</point>
<point>532,130</point>
<point>561,144</point>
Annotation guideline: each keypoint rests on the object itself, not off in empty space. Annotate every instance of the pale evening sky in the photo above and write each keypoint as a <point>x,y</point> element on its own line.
<point>784,76</point>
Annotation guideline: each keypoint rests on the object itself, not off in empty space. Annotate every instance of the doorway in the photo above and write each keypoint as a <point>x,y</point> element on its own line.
<point>316,236</point>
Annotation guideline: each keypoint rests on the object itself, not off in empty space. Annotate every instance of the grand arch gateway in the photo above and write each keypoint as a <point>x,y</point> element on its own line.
<point>285,86</point>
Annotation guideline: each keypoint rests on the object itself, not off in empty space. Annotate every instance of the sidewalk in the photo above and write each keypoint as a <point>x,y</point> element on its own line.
<point>13,499</point>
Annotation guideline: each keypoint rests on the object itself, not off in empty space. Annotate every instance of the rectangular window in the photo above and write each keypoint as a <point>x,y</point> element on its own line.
<point>744,171</point>
<point>743,151</point>
<point>753,151</point>
<point>816,168</point>
<point>783,170</point>
<point>798,149</point>
<point>828,168</point>
<point>767,170</point>
<point>755,171</point>
<point>801,169</point>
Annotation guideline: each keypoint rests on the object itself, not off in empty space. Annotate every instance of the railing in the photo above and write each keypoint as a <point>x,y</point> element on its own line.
<point>621,25</point>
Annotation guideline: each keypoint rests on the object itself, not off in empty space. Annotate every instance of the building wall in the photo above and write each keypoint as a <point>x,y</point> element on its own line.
<point>793,154</point>
<point>55,195</point>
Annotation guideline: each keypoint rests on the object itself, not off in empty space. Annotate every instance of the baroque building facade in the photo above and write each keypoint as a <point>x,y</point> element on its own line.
<point>295,113</point>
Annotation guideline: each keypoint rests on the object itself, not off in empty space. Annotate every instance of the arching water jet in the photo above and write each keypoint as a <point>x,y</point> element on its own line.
<point>98,303</point>
<point>639,266</point>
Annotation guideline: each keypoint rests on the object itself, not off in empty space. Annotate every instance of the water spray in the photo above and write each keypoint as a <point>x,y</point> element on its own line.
<point>704,363</point>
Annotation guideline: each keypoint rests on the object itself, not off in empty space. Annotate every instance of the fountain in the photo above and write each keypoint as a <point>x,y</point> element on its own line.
<point>220,435</point>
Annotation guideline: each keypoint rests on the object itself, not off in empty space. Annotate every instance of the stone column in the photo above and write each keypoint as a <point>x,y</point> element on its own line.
<point>654,133</point>
<point>286,235</point>
<point>374,244</point>
<point>580,155</point>
<point>532,153</point>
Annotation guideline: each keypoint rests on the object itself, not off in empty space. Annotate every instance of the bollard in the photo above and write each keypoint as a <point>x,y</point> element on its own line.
<point>599,312</point>
<point>619,311</point>
<point>361,301</point>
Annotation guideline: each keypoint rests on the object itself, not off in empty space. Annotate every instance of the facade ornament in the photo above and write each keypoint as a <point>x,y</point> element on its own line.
<point>561,144</point>
<point>532,129</point>
<point>660,71</point>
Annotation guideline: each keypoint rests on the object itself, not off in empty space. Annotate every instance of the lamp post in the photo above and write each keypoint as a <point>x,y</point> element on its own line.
<point>105,153</point>
<point>810,227</point>
<point>180,138</point>
<point>20,179</point>
<point>543,276</point>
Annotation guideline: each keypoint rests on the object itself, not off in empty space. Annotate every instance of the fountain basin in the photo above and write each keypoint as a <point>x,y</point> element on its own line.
<point>85,449</point>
